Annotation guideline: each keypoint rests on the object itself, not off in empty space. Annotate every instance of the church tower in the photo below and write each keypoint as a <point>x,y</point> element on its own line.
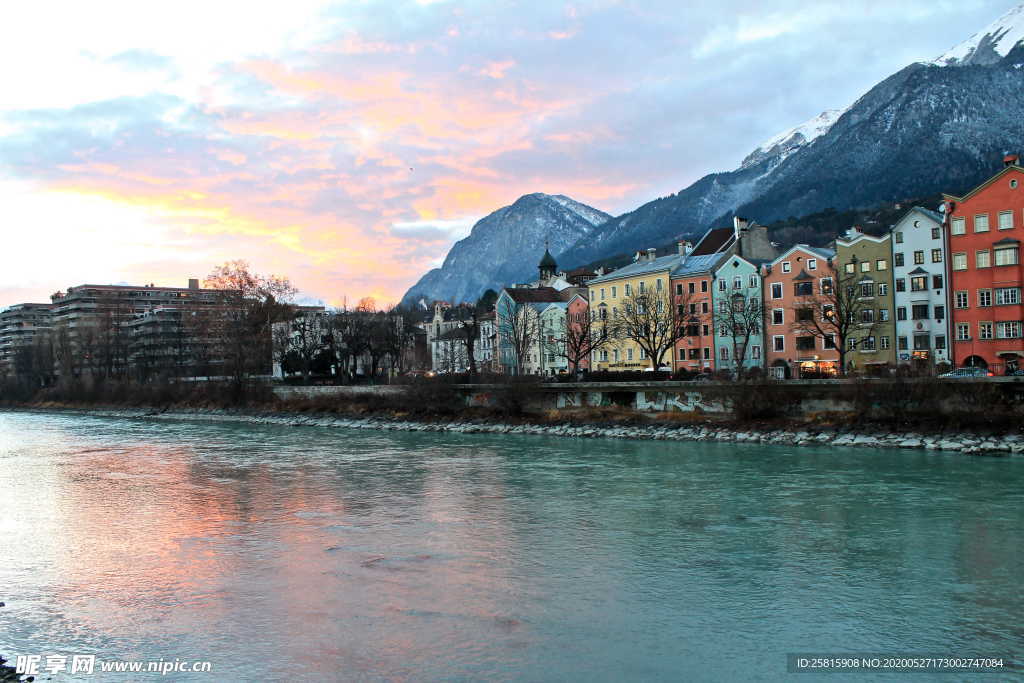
<point>547,266</point>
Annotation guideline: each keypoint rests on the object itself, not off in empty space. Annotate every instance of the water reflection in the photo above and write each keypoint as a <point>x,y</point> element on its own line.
<point>298,552</point>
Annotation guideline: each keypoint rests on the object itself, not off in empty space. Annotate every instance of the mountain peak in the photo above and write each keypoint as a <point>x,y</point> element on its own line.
<point>988,45</point>
<point>790,140</point>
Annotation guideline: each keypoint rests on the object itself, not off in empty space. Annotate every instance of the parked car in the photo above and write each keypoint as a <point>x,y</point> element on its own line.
<point>967,373</point>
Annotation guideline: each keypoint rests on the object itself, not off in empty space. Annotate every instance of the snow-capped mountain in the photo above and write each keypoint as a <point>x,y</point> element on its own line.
<point>989,45</point>
<point>926,129</point>
<point>506,246</point>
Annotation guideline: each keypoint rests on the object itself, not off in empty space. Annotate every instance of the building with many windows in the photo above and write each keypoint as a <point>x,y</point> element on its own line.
<point>737,302</point>
<point>985,229</point>
<point>864,262</point>
<point>920,289</point>
<point>21,326</point>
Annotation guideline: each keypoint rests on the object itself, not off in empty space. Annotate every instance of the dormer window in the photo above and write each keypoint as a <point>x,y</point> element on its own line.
<point>786,267</point>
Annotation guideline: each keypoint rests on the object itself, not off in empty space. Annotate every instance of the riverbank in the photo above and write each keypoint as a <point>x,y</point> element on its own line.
<point>566,424</point>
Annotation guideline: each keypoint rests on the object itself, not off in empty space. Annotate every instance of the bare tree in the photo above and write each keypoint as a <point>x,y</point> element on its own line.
<point>839,311</point>
<point>301,338</point>
<point>581,337</point>
<point>518,331</point>
<point>647,319</point>
<point>740,319</point>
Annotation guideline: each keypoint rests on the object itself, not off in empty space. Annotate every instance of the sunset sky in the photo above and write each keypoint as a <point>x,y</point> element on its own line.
<point>348,144</point>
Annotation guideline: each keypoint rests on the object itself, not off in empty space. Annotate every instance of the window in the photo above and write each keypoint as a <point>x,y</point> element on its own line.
<point>679,288</point>
<point>918,257</point>
<point>867,315</point>
<point>682,353</point>
<point>919,311</point>
<point>984,330</point>
<point>629,354</point>
<point>984,297</point>
<point>753,281</point>
<point>693,330</point>
<point>723,353</point>
<point>1007,295</point>
<point>615,291</point>
<point>960,299</point>
<point>867,289</point>
<point>643,354</point>
<point>849,268</point>
<point>805,343</point>
<point>615,355</point>
<point>922,342</point>
<point>805,314</point>
<point>940,312</point>
<point>657,284</point>
<point>936,233</point>
<point>901,343</point>
<point>786,267</point>
<point>722,285</point>
<point>897,259</point>
<point>963,331</point>
<point>777,316</point>
<point>960,261</point>
<point>881,264</point>
<point>940,341</point>
<point>851,344</point>
<point>936,282</point>
<point>693,309</point>
<point>805,288</point>
<point>883,315</point>
<point>629,289</point>
<point>1005,220</point>
<point>707,353</point>
<point>704,307</point>
<point>901,285</point>
<point>776,290</point>
<point>982,259</point>
<point>737,282</point>
<point>883,343</point>
<point>936,256</point>
<point>691,287</point>
<point>883,289</point>
<point>981,222</point>
<point>865,266</point>
<point>1007,256</point>
<point>812,264</point>
<point>957,226</point>
<point>703,285</point>
<point>901,313</point>
<point>604,355</point>
<point>918,283</point>
<point>680,310</point>
<point>828,341</point>
<point>723,307</point>
<point>868,344</point>
<point>694,354</point>
<point>602,294</point>
<point>826,285</point>
<point>755,352</point>
<point>899,237</point>
<point>641,287</point>
<point>827,311</point>
<point>779,343</point>
<point>593,295</point>
<point>1009,329</point>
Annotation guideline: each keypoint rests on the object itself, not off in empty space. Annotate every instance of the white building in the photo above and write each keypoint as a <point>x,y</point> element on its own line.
<point>920,288</point>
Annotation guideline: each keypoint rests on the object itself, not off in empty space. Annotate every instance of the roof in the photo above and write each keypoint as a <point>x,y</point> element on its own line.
<point>918,271</point>
<point>803,275</point>
<point>641,267</point>
<point>577,272</point>
<point>713,241</point>
<point>979,188</point>
<point>526,295</point>
<point>548,260</point>
<point>822,252</point>
<point>696,264</point>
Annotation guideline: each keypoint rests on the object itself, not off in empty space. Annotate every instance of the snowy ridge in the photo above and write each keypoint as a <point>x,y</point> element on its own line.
<point>788,141</point>
<point>989,44</point>
<point>587,213</point>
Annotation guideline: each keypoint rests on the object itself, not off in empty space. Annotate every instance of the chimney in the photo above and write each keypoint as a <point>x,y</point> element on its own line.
<point>193,283</point>
<point>637,256</point>
<point>1011,160</point>
<point>685,247</point>
<point>739,225</point>
<point>651,253</point>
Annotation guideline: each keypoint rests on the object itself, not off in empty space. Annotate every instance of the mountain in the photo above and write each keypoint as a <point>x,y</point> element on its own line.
<point>935,126</point>
<point>506,246</point>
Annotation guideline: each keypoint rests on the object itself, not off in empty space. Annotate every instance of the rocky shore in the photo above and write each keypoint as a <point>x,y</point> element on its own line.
<point>952,441</point>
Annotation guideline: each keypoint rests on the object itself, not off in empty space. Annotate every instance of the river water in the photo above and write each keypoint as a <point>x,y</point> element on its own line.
<point>314,553</point>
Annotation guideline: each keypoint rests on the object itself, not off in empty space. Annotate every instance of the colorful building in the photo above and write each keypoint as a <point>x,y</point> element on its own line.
<point>790,281</point>
<point>864,262</point>
<point>738,314</point>
<point>920,289</point>
<point>692,290</point>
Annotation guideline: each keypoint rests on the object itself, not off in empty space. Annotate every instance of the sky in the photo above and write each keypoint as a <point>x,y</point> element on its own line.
<point>347,145</point>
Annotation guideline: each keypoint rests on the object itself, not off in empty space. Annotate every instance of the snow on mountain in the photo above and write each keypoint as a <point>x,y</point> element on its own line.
<point>588,213</point>
<point>988,45</point>
<point>788,141</point>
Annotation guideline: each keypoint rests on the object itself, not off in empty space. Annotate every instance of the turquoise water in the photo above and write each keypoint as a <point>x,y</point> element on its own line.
<point>311,553</point>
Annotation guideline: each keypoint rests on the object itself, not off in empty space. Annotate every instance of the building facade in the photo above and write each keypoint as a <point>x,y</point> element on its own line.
<point>737,302</point>
<point>864,262</point>
<point>22,326</point>
<point>920,292</point>
<point>985,229</point>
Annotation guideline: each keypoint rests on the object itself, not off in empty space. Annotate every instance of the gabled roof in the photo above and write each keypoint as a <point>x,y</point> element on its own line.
<point>714,241</point>
<point>979,188</point>
<point>755,262</point>
<point>803,276</point>
<point>580,272</point>
<point>694,265</point>
<point>641,267</point>
<point>822,252</point>
<point>918,271</point>
<point>526,295</point>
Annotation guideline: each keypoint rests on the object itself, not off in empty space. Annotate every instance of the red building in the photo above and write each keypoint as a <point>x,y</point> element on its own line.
<point>578,318</point>
<point>985,228</point>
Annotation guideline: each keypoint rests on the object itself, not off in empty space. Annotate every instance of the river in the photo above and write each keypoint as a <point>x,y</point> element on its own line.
<point>315,553</point>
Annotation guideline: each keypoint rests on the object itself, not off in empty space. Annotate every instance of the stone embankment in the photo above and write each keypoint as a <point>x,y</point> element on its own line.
<point>960,442</point>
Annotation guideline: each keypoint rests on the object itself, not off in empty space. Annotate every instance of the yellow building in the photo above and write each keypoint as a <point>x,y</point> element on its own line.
<point>608,295</point>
